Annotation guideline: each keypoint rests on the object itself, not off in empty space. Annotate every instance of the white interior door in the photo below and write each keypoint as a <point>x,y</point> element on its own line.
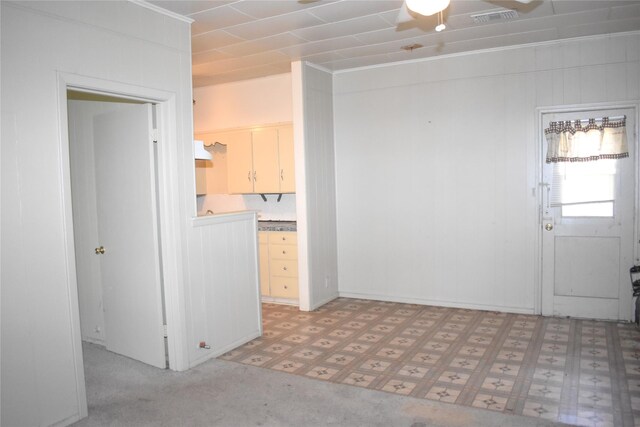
<point>127,229</point>
<point>587,247</point>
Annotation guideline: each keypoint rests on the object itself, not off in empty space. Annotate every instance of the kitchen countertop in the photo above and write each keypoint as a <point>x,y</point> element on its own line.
<point>277,226</point>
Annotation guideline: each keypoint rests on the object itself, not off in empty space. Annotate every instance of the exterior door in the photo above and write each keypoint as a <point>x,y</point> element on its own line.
<point>588,230</point>
<point>128,233</point>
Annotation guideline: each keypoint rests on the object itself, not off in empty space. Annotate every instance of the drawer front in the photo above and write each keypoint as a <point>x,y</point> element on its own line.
<point>263,237</point>
<point>283,237</point>
<point>284,287</point>
<point>283,267</point>
<point>283,251</point>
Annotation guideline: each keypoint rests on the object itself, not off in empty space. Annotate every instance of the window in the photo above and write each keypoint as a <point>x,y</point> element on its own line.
<point>585,189</point>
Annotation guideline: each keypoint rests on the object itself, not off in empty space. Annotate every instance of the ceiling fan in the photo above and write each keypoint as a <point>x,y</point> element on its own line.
<point>411,9</point>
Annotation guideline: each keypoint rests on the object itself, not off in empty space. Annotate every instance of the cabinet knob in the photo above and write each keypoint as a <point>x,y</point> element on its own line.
<point>281,174</point>
<point>285,286</point>
<point>254,176</point>
<point>99,250</point>
<point>284,268</point>
<point>284,252</point>
<point>284,238</point>
<point>249,176</point>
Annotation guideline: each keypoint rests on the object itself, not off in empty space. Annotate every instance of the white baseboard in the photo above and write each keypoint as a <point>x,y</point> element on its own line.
<point>438,303</point>
<point>215,352</point>
<point>323,302</point>
<point>94,340</point>
<point>284,301</point>
<point>68,421</point>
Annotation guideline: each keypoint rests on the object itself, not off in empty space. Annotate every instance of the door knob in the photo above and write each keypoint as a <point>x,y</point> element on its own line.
<point>100,250</point>
<point>548,226</point>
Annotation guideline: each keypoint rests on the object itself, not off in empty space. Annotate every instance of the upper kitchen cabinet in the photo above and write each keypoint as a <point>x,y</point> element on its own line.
<point>262,161</point>
<point>211,175</point>
<point>265,161</point>
<point>240,173</point>
<point>286,160</point>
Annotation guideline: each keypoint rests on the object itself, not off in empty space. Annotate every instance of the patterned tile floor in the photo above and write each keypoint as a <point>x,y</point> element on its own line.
<point>575,371</point>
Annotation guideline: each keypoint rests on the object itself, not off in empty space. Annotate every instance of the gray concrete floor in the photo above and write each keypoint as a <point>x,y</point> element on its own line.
<point>124,392</point>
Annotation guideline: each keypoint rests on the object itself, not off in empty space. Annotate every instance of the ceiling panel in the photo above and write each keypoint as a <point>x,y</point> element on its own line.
<point>235,40</point>
<point>342,28</point>
<point>322,46</point>
<point>623,12</point>
<point>215,19</point>
<point>390,34</point>
<point>340,11</point>
<point>275,25</point>
<point>262,45</point>
<point>212,40</point>
<point>567,6</point>
<point>264,9</point>
<point>186,8</point>
<point>209,56</point>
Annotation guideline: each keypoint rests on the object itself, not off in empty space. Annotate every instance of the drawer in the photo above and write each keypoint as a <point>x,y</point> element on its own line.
<point>283,251</point>
<point>283,237</point>
<point>284,287</point>
<point>263,237</point>
<point>283,267</point>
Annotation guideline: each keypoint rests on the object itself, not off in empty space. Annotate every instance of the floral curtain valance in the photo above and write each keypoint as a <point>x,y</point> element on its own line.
<point>571,141</point>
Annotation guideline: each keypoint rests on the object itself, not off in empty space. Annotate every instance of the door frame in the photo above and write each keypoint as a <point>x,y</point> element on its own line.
<point>169,153</point>
<point>540,148</point>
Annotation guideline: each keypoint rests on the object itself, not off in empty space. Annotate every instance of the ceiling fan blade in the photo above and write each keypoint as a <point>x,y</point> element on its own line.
<point>403,14</point>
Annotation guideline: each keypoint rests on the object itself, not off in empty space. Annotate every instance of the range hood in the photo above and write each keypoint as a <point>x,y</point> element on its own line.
<point>200,152</point>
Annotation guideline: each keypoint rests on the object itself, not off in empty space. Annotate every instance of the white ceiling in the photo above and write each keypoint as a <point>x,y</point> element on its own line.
<point>236,40</point>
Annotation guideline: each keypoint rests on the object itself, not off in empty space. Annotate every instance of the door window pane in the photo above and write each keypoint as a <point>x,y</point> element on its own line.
<point>586,189</point>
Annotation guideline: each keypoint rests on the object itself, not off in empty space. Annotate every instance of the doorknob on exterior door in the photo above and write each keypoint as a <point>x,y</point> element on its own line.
<point>100,250</point>
<point>548,226</point>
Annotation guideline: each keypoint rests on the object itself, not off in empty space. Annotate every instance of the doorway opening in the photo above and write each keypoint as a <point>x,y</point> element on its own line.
<point>114,191</point>
<point>588,219</point>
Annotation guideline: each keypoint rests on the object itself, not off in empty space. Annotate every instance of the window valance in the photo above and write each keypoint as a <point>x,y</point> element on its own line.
<point>576,141</point>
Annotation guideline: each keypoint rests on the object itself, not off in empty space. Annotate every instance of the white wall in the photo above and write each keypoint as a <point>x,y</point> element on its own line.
<point>437,167</point>
<point>315,150</point>
<point>240,104</point>
<point>225,299</point>
<point>119,42</point>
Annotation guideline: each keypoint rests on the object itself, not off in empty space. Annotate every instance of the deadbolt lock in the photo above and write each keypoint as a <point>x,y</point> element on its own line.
<point>548,226</point>
<point>100,250</point>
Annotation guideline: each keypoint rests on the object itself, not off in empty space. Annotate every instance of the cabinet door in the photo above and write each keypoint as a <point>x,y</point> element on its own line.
<point>201,177</point>
<point>264,263</point>
<point>216,169</point>
<point>265,161</point>
<point>287,161</point>
<point>239,163</point>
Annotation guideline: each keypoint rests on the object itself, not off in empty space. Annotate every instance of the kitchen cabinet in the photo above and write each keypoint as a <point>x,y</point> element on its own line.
<point>265,160</point>
<point>286,160</point>
<point>279,264</point>
<point>262,161</point>
<point>263,256</point>
<point>201,177</point>
<point>240,162</point>
<point>211,175</point>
